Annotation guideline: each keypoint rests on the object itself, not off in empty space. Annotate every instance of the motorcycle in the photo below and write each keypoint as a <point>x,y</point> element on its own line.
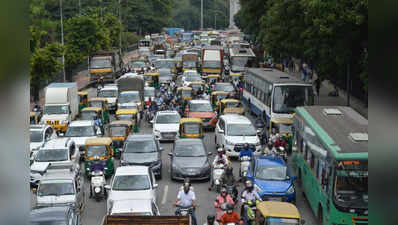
<point>278,146</point>
<point>97,185</point>
<point>184,211</point>
<point>218,171</point>
<point>251,208</point>
<point>244,165</point>
<point>220,211</point>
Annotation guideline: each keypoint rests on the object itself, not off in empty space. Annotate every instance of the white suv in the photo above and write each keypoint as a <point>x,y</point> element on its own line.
<point>166,125</point>
<point>233,131</point>
<point>131,182</point>
<point>39,135</point>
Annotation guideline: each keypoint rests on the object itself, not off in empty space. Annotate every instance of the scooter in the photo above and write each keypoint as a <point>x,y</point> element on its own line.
<point>244,165</point>
<point>251,211</point>
<point>220,211</point>
<point>218,171</point>
<point>97,185</point>
<point>184,211</point>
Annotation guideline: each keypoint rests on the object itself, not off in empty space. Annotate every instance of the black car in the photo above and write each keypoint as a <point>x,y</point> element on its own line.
<point>142,150</point>
<point>190,159</point>
<point>54,216</point>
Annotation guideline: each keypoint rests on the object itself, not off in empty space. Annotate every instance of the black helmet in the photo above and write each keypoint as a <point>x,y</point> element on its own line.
<point>211,219</point>
<point>246,145</point>
<point>229,170</point>
<point>230,208</point>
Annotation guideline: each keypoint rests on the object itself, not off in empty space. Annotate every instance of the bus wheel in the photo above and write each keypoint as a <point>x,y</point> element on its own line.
<point>320,215</point>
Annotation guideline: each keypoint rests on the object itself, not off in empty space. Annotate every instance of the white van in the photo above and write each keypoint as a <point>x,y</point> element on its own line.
<point>233,131</point>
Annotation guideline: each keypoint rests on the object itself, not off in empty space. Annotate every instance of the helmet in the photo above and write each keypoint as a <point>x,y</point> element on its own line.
<point>220,150</point>
<point>186,187</point>
<point>248,184</point>
<point>211,219</point>
<point>229,170</point>
<point>246,145</point>
<point>187,181</point>
<point>230,208</point>
<point>223,190</point>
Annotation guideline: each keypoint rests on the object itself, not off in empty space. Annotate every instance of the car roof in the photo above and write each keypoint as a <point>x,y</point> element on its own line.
<point>188,140</point>
<point>57,176</point>
<point>57,143</point>
<point>199,101</point>
<point>128,92</point>
<point>132,206</point>
<point>38,126</point>
<point>270,160</point>
<point>58,213</point>
<point>235,118</point>
<point>167,112</point>
<point>135,137</point>
<point>223,83</point>
<point>81,123</point>
<point>132,170</point>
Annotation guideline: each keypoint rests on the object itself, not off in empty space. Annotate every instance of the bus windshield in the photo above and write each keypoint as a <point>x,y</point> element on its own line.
<point>287,98</point>
<point>351,187</point>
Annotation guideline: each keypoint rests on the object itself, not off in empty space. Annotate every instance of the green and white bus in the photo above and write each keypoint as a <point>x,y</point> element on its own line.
<point>330,157</point>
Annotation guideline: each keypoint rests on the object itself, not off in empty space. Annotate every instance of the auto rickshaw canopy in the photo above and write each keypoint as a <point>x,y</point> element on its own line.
<point>82,93</point>
<point>152,74</point>
<point>236,75</point>
<point>190,120</point>
<point>126,111</point>
<point>121,123</point>
<point>98,141</point>
<point>91,109</point>
<point>278,209</point>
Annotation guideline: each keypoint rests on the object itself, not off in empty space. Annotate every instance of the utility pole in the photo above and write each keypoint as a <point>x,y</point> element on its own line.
<point>62,39</point>
<point>215,20</point>
<point>121,27</point>
<point>201,14</point>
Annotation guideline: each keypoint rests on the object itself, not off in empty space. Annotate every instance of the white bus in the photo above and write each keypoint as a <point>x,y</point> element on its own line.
<point>240,59</point>
<point>275,93</point>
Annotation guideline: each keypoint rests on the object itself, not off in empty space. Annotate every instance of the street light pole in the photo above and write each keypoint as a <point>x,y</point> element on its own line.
<point>201,14</point>
<point>62,39</point>
<point>80,7</point>
<point>121,27</point>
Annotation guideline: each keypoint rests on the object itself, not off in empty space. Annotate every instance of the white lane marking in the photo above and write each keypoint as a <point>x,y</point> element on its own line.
<point>166,189</point>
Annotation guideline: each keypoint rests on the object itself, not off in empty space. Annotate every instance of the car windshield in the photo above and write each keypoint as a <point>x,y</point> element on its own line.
<point>138,64</point>
<point>52,155</point>
<point>170,118</point>
<point>117,131</point>
<point>233,104</point>
<point>190,73</point>
<point>191,128</point>
<point>100,63</point>
<point>107,93</point>
<point>88,115</point>
<point>186,93</point>
<point>36,136</point>
<point>96,150</point>
<point>189,149</point>
<point>200,107</point>
<point>211,64</point>
<point>224,87</point>
<point>131,183</point>
<point>281,221</point>
<point>287,98</point>
<point>144,146</point>
<point>125,117</point>
<point>196,87</point>
<point>187,64</point>
<point>271,172</point>
<point>56,109</point>
<point>128,98</point>
<point>164,64</point>
<point>149,92</point>
<point>49,222</point>
<point>84,131</point>
<point>193,78</point>
<point>241,130</point>
<point>55,189</point>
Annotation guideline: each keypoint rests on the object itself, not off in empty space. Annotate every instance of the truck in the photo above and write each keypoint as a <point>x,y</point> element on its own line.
<point>212,61</point>
<point>145,220</point>
<point>131,82</point>
<point>106,64</point>
<point>61,105</point>
<point>190,61</point>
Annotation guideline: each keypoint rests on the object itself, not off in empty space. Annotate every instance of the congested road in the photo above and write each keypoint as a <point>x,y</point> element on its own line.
<point>167,190</point>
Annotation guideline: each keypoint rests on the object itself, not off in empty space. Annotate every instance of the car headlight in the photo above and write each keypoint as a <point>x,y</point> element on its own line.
<point>228,142</point>
<point>257,188</point>
<point>290,190</point>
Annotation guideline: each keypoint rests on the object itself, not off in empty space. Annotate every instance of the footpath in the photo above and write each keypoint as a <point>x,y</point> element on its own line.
<point>82,78</point>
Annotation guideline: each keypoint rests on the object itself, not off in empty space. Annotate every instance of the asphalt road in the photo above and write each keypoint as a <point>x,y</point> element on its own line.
<point>167,190</point>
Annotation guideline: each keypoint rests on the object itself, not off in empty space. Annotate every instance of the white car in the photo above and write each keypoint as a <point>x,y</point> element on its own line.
<point>56,151</point>
<point>233,131</point>
<point>131,182</point>
<point>166,125</point>
<point>39,135</point>
<point>81,130</point>
<point>110,93</point>
<point>139,207</point>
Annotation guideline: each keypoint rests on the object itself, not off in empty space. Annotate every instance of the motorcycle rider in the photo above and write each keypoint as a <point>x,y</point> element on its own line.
<point>229,179</point>
<point>220,157</point>
<point>246,151</point>
<point>187,198</point>
<point>248,194</point>
<point>222,198</point>
<point>231,216</point>
<point>211,220</point>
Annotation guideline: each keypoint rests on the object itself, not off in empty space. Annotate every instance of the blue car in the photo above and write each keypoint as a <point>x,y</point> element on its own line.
<point>271,179</point>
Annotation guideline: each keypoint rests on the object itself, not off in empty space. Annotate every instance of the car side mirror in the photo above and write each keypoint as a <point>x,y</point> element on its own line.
<point>155,185</point>
<point>107,187</point>
<point>170,154</point>
<point>221,131</point>
<point>293,178</point>
<point>209,153</point>
<point>60,134</point>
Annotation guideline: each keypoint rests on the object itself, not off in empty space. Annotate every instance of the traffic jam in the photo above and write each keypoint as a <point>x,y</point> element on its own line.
<point>193,130</point>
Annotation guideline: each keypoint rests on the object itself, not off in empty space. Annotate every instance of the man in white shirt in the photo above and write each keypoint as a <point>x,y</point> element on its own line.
<point>187,198</point>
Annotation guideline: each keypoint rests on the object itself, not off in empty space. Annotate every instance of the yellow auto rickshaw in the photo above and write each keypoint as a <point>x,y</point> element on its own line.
<point>152,79</point>
<point>83,99</point>
<point>282,126</point>
<point>197,86</point>
<point>212,78</point>
<point>191,128</point>
<point>104,150</point>
<point>129,115</point>
<point>230,105</point>
<point>118,130</point>
<point>34,117</point>
<point>100,103</point>
<point>234,77</point>
<point>217,96</point>
<point>273,212</point>
<point>185,93</point>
